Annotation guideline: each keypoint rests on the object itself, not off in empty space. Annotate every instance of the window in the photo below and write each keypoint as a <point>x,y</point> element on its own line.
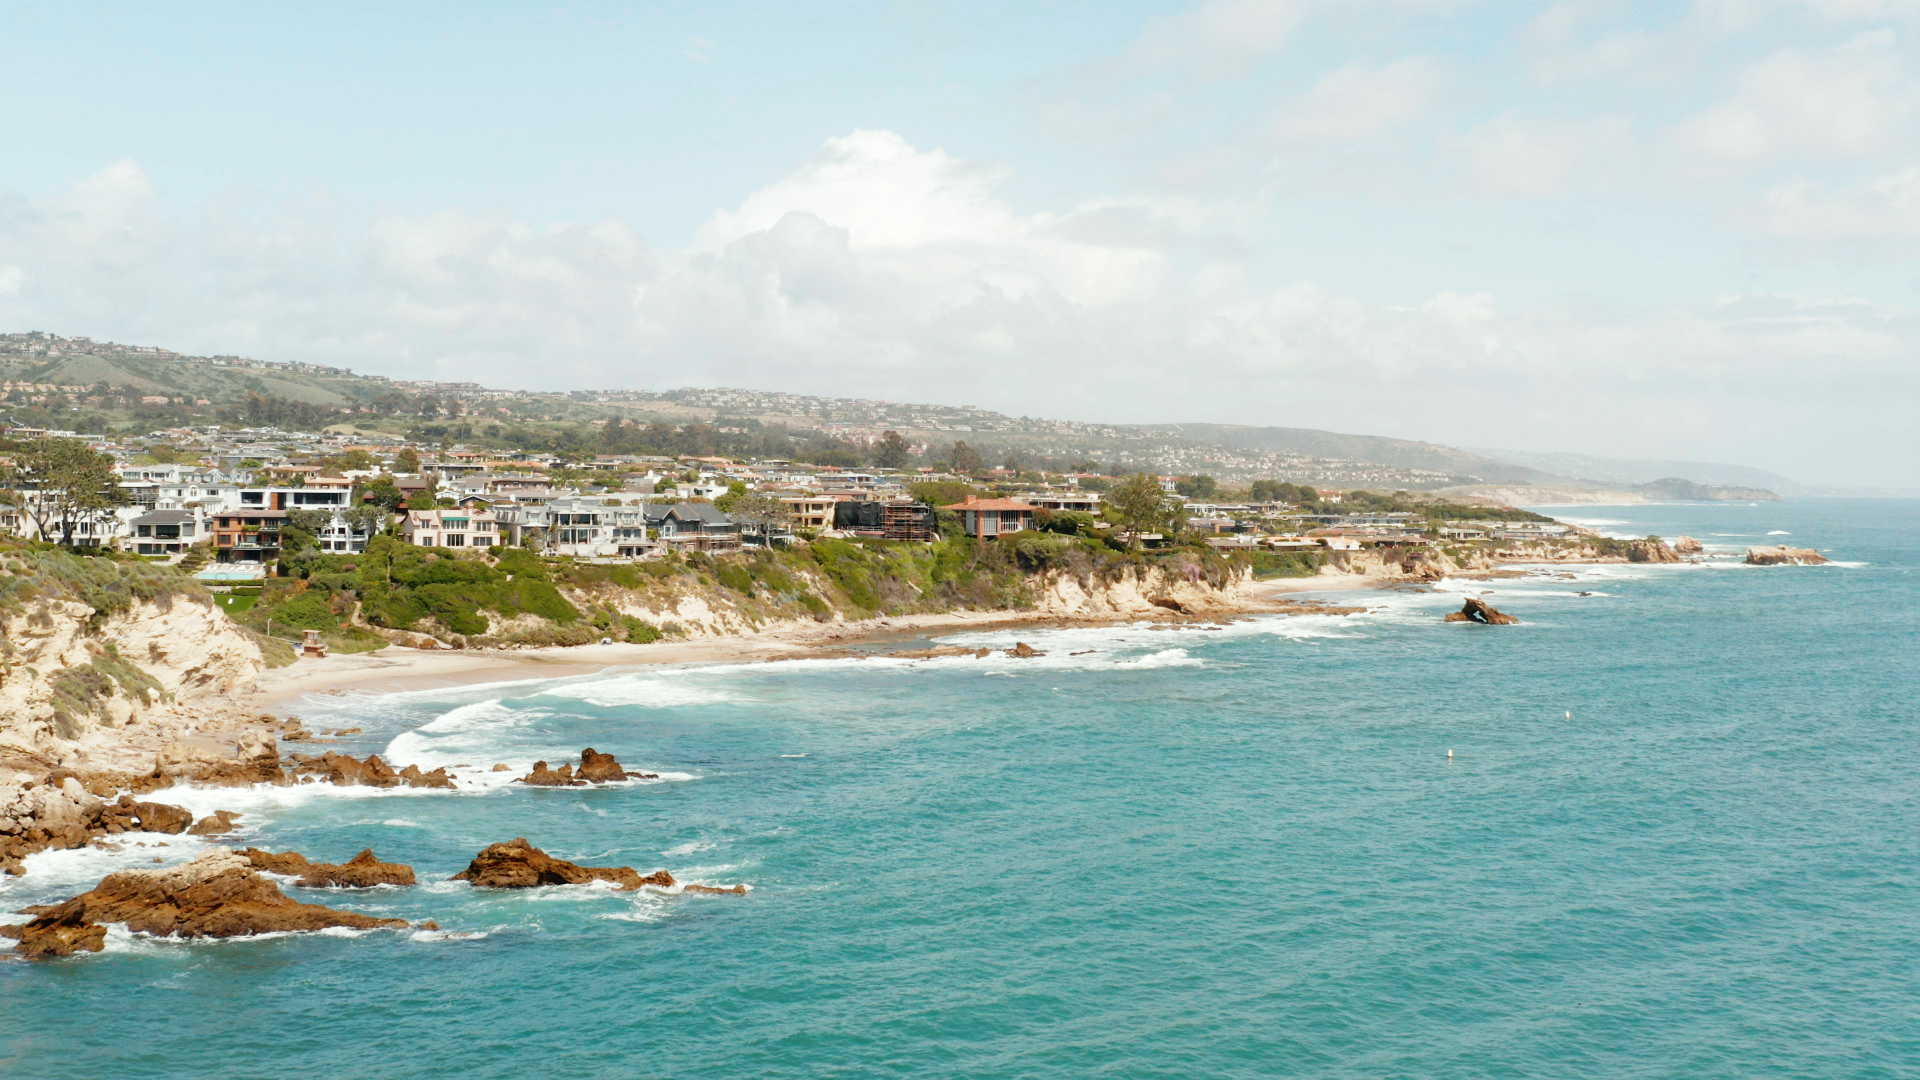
<point>456,540</point>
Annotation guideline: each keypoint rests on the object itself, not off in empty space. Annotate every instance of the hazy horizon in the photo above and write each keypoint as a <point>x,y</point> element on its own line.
<point>1656,232</point>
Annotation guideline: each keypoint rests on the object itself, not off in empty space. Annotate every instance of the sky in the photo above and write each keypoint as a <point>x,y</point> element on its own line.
<point>1688,231</point>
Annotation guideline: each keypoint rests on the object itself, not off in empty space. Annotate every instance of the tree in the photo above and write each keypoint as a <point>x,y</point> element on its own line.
<point>735,491</point>
<point>59,483</point>
<point>406,461</point>
<point>891,451</point>
<point>941,492</point>
<point>381,492</point>
<point>1138,505</point>
<point>1196,487</point>
<point>964,459</point>
<point>761,512</point>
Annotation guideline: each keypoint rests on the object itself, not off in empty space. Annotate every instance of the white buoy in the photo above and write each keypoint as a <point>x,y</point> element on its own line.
<point>1449,753</point>
<point>1569,714</point>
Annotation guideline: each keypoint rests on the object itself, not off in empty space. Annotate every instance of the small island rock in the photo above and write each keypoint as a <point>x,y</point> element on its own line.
<point>1476,610</point>
<point>517,864</point>
<point>1784,556</point>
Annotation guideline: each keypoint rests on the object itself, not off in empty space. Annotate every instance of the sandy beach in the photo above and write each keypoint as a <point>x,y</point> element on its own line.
<point>395,669</point>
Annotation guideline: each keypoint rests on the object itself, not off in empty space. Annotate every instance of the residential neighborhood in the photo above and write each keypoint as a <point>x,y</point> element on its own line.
<point>240,494</point>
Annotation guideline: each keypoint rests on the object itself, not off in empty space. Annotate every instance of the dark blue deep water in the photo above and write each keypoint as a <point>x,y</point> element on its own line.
<point>1231,852</point>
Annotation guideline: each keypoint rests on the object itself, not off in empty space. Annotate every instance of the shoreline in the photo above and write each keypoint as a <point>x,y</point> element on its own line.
<point>397,669</point>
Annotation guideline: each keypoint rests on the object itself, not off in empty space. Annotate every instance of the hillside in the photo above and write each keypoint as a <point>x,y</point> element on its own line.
<point>102,386</point>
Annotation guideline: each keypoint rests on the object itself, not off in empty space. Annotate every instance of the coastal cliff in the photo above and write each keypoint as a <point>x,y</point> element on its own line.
<point>106,663</point>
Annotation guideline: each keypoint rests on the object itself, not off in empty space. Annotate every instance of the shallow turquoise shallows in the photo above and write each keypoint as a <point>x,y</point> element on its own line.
<point>1238,852</point>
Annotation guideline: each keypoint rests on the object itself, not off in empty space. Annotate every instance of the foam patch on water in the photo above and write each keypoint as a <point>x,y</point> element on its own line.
<point>689,848</point>
<point>652,688</point>
<point>1779,532</point>
<point>466,734</point>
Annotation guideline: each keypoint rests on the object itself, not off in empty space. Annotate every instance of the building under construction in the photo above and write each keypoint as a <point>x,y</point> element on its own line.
<point>898,520</point>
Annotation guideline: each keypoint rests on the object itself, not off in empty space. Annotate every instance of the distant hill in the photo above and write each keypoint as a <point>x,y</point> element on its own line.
<point>1631,471</point>
<point>1674,489</point>
<point>1465,465</point>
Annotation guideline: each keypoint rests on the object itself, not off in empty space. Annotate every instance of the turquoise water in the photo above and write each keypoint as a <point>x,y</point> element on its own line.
<point>1231,852</point>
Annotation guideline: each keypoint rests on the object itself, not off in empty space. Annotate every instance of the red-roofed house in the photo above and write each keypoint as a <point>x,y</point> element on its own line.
<point>993,517</point>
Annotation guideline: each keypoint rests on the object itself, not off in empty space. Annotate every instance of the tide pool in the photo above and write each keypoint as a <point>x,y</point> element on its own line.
<point>1237,851</point>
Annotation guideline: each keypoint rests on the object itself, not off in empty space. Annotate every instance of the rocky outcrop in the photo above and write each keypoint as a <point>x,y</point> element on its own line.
<point>252,756</point>
<point>1687,545</point>
<point>220,821</point>
<point>517,864</point>
<point>84,689</point>
<point>344,771</point>
<point>363,871</point>
<point>1651,550</point>
<point>1476,610</point>
<point>1024,651</point>
<point>1784,556</point>
<point>595,768</point>
<point>62,936</point>
<point>218,894</point>
<point>598,768</point>
<point>59,813</point>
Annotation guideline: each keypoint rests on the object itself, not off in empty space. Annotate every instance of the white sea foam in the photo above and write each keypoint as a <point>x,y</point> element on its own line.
<point>793,755</point>
<point>689,848</point>
<point>1779,532</point>
<point>650,688</point>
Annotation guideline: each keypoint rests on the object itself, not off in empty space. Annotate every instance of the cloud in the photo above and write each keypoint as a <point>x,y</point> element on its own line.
<point>1855,100</point>
<point>1529,156</point>
<point>877,269</point>
<point>1357,103</point>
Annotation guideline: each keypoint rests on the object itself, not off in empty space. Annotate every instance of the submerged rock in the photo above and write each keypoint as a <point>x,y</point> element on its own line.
<point>216,895</point>
<point>364,870</point>
<point>1476,610</point>
<point>517,864</point>
<point>1784,556</point>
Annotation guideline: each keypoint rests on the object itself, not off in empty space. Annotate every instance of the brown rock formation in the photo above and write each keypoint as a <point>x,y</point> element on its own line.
<point>62,936</point>
<point>517,864</point>
<point>215,895</point>
<point>344,771</point>
<point>1023,650</point>
<point>1687,545</point>
<point>1784,556</point>
<point>219,821</point>
<point>595,768</point>
<point>364,870</point>
<point>1476,610</point>
<point>1651,550</point>
<point>541,776</point>
<point>60,813</point>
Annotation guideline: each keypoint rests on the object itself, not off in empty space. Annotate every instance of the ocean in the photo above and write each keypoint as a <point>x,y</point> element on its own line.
<point>1676,836</point>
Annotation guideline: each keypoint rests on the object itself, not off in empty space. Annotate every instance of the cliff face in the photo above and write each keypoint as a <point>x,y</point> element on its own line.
<point>719,612</point>
<point>78,687</point>
<point>1431,564</point>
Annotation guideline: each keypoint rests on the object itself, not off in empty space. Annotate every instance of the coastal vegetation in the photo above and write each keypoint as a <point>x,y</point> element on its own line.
<point>516,597</point>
